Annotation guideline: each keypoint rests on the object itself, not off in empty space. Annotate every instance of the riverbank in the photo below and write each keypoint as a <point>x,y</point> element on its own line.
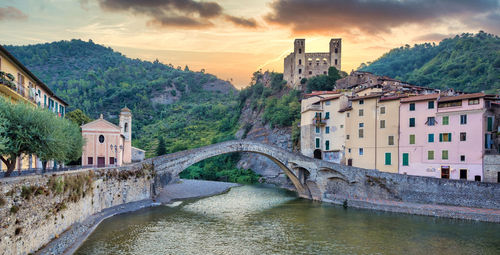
<point>69,241</point>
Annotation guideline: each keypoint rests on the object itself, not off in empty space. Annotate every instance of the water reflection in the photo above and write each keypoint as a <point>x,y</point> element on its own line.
<point>264,220</point>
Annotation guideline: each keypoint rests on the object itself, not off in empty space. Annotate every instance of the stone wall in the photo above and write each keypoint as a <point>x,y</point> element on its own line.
<point>491,168</point>
<point>36,209</point>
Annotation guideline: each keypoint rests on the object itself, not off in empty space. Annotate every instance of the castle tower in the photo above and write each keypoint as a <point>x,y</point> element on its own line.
<point>299,48</point>
<point>335,52</point>
<point>126,131</point>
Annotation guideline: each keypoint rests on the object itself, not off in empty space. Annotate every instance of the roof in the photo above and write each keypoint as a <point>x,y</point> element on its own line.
<point>101,120</point>
<point>420,98</point>
<point>125,109</point>
<point>317,93</point>
<point>20,65</point>
<point>461,97</point>
<point>330,98</point>
<point>347,108</point>
<point>372,95</point>
<point>392,97</point>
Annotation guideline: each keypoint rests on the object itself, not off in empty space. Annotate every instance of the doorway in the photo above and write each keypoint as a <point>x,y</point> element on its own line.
<point>498,177</point>
<point>445,172</point>
<point>317,154</point>
<point>101,161</point>
<point>463,174</point>
<point>349,162</point>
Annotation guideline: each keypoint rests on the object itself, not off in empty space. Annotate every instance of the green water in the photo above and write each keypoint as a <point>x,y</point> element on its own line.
<point>266,220</point>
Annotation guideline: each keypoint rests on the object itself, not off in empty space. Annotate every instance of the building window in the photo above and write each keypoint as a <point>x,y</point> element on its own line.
<point>477,178</point>
<point>360,133</point>
<point>463,119</point>
<point>387,158</point>
<point>310,72</point>
<point>349,150</point>
<point>361,151</point>
<point>430,155</point>
<point>445,137</point>
<point>111,160</point>
<point>463,174</point>
<point>473,101</point>
<point>449,104</point>
<point>126,127</point>
<point>462,158</point>
<point>361,101</point>
<point>391,140</point>
<point>327,115</point>
<point>444,154</point>
<point>412,122</point>
<point>430,138</point>
<point>412,139</point>
<point>336,50</point>
<point>327,130</point>
<point>412,107</point>
<point>327,102</point>
<point>300,51</point>
<point>382,123</point>
<point>300,61</point>
<point>446,120</point>
<point>90,161</point>
<point>361,124</point>
<point>336,61</point>
<point>324,72</point>
<point>361,112</point>
<point>431,121</point>
<point>341,126</point>
<point>101,139</point>
<point>348,115</point>
<point>347,137</point>
<point>300,71</point>
<point>490,124</point>
<point>463,136</point>
<point>382,110</point>
<point>317,130</point>
<point>406,159</point>
<point>317,142</point>
<point>327,145</point>
<point>430,105</point>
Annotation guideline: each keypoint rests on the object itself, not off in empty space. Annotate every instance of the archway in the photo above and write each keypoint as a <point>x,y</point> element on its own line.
<point>318,154</point>
<point>177,162</point>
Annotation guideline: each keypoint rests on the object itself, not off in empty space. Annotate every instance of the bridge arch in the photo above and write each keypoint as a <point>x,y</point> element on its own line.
<point>175,163</point>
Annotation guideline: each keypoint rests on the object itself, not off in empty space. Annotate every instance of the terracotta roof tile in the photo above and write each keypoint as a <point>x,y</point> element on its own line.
<point>420,98</point>
<point>461,97</point>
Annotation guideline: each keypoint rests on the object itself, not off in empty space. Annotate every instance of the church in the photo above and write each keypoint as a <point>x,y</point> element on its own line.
<point>107,144</point>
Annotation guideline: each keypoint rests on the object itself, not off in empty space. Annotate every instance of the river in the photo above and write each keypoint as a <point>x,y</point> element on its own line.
<point>266,220</point>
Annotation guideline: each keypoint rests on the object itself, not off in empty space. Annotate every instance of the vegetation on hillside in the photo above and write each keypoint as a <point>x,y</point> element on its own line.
<point>27,130</point>
<point>469,63</point>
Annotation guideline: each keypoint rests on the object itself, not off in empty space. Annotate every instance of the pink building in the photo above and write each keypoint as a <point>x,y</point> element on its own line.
<point>107,144</point>
<point>444,136</point>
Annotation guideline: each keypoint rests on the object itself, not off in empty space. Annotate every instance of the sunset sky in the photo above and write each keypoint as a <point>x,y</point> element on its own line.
<point>234,38</point>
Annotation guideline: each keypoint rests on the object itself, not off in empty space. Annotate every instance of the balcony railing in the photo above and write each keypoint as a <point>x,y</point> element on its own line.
<point>312,107</point>
<point>318,121</point>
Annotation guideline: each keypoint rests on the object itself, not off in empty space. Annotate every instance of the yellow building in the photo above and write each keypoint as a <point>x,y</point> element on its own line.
<point>18,84</point>
<point>322,126</point>
<point>372,128</point>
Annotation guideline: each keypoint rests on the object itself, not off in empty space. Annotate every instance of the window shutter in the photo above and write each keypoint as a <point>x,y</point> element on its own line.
<point>441,137</point>
<point>449,137</point>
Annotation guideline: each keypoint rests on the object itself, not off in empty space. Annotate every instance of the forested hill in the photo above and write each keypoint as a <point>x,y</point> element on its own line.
<point>183,107</point>
<point>469,63</point>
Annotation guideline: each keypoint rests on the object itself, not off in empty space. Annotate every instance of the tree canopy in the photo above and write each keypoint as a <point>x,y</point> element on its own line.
<point>27,130</point>
<point>468,63</point>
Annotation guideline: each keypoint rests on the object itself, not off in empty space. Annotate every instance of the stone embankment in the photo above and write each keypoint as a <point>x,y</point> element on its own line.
<point>37,209</point>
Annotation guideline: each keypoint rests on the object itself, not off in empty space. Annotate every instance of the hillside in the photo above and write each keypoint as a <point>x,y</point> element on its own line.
<point>184,107</point>
<point>468,63</point>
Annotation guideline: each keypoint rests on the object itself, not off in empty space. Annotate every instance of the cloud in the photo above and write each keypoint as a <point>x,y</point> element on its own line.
<point>371,17</point>
<point>432,37</point>
<point>251,23</point>
<point>12,13</point>
<point>175,13</point>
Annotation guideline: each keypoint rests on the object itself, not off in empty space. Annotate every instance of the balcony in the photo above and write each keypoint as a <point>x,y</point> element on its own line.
<point>14,91</point>
<point>312,107</point>
<point>318,121</point>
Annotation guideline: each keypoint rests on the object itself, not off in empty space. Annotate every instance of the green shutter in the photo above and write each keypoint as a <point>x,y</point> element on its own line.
<point>430,138</point>
<point>327,115</point>
<point>441,137</point>
<point>317,142</point>
<point>490,124</point>
<point>388,158</point>
<point>430,155</point>
<point>444,154</point>
<point>446,120</point>
<point>406,157</point>
<point>449,137</point>
<point>327,145</point>
<point>412,139</point>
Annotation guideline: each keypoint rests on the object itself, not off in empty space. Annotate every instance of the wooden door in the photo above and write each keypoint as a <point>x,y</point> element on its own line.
<point>101,161</point>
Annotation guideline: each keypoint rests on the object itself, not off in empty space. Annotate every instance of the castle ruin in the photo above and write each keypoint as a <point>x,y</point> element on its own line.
<point>299,64</point>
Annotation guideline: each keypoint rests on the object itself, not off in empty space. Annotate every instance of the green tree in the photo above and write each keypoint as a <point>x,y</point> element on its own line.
<point>29,130</point>
<point>161,149</point>
<point>78,117</point>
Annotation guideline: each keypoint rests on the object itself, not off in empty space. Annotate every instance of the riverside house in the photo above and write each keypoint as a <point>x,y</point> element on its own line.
<point>18,84</point>
<point>446,136</point>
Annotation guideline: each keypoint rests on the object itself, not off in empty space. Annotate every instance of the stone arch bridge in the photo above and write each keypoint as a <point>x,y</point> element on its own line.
<point>321,180</point>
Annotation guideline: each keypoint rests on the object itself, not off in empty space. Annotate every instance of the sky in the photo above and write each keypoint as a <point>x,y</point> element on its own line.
<point>234,38</point>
